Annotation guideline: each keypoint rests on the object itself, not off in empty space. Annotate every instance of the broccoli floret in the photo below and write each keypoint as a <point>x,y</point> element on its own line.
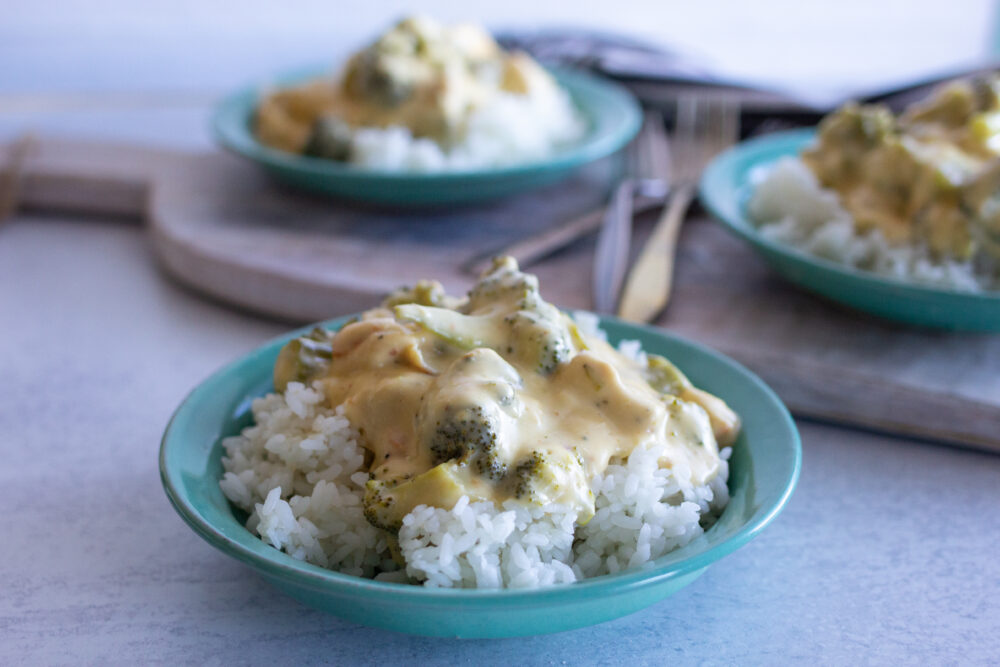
<point>469,434</point>
<point>330,138</point>
<point>667,379</point>
<point>538,331</point>
<point>369,77</point>
<point>504,312</point>
<point>986,224</point>
<point>555,475</point>
<point>387,502</point>
<point>466,417</point>
<point>424,293</point>
<point>465,331</point>
<point>539,338</point>
<point>664,377</point>
<point>526,474</point>
<point>379,506</point>
<point>303,359</point>
<point>503,281</point>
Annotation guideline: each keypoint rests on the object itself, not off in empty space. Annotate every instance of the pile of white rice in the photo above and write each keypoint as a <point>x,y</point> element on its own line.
<point>791,207</point>
<point>511,129</point>
<point>298,473</point>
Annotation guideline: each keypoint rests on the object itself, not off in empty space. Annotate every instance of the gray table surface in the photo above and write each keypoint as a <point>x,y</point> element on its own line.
<point>886,553</point>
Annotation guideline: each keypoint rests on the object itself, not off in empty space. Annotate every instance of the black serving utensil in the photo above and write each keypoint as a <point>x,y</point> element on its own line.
<point>659,76</point>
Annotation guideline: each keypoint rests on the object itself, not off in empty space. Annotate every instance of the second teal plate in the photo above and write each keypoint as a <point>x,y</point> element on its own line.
<point>612,115</point>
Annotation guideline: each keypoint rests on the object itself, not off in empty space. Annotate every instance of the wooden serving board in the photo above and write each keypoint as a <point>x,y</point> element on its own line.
<point>220,226</point>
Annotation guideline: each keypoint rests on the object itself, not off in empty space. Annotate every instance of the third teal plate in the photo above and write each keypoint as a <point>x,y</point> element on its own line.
<point>725,190</point>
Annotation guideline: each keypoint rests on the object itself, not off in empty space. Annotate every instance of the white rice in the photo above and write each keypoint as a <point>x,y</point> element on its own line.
<point>298,473</point>
<point>791,207</point>
<point>511,129</point>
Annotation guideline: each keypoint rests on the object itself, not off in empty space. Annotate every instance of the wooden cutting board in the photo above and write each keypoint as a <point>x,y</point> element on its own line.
<point>220,226</point>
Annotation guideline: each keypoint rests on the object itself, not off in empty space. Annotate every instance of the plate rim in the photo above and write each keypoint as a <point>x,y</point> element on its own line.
<point>300,573</point>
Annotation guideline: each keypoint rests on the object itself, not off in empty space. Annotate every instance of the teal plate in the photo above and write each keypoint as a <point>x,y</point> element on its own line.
<point>725,192</point>
<point>611,113</point>
<point>764,468</point>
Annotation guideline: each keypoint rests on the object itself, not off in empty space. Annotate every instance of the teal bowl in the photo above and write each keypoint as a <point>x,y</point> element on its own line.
<point>764,468</point>
<point>612,115</point>
<point>725,191</point>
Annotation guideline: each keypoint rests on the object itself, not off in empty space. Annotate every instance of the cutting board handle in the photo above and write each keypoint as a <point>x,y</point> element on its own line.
<point>77,177</point>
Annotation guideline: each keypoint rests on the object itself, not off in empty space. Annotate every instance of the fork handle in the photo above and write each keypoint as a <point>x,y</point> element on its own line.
<point>651,279</point>
<point>611,254</point>
<point>534,248</point>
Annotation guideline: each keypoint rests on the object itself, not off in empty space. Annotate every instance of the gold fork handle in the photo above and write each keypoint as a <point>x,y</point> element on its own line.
<point>647,289</point>
<point>530,250</point>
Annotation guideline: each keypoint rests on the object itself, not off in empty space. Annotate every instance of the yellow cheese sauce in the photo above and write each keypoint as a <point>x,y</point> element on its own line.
<point>499,396</point>
<point>420,75</point>
<point>930,176</point>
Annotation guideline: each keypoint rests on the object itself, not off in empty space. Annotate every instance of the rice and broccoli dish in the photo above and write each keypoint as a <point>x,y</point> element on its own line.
<point>484,442</point>
<point>914,197</point>
<point>424,97</point>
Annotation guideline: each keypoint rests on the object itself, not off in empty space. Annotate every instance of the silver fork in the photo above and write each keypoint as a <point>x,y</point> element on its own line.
<point>704,128</point>
<point>648,176</point>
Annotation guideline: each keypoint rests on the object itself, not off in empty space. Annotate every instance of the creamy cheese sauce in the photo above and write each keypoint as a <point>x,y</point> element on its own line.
<point>930,176</point>
<point>500,397</point>
<point>419,75</point>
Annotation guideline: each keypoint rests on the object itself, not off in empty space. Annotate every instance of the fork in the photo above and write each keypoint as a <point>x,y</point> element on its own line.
<point>648,176</point>
<point>704,128</point>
